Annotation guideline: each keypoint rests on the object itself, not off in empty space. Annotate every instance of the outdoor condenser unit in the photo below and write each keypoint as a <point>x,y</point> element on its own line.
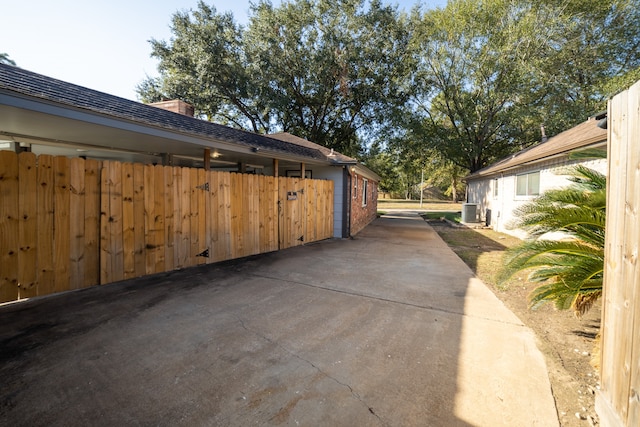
<point>470,212</point>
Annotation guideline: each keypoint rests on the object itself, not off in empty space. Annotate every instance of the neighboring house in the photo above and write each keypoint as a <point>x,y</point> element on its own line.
<point>49,116</point>
<point>500,188</point>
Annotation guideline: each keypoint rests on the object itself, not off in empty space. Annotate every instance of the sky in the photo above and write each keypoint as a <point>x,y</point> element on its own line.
<point>103,44</point>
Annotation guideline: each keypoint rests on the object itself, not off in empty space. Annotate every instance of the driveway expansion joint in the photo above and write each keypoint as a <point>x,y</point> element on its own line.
<point>387,300</point>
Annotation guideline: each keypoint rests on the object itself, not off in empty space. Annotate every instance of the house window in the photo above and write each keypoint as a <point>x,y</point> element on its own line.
<point>495,188</point>
<point>365,184</point>
<point>528,184</point>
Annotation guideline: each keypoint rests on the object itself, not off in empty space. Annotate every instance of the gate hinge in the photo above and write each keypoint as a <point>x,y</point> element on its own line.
<point>204,186</point>
<point>204,253</point>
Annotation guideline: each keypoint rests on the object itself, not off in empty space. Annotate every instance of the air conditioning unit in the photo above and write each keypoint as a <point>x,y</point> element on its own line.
<point>470,212</point>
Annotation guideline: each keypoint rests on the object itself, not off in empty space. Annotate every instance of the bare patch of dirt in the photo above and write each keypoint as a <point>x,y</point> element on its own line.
<point>566,341</point>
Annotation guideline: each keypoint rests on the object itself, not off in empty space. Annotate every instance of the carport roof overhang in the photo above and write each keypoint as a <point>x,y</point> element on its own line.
<point>28,119</point>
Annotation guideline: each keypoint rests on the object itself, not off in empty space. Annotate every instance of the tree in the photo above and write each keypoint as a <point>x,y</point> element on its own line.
<point>445,175</point>
<point>330,71</point>
<point>571,267</point>
<point>4,59</point>
<point>594,54</point>
<point>204,65</point>
<point>491,72</point>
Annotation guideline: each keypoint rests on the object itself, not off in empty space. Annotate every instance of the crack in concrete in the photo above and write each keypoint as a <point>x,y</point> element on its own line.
<point>403,303</point>
<point>314,366</point>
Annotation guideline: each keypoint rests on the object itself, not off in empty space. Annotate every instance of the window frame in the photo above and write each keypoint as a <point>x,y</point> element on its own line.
<point>365,185</point>
<point>528,187</point>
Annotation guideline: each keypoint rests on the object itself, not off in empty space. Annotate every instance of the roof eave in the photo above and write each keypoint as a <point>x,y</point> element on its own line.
<point>597,142</point>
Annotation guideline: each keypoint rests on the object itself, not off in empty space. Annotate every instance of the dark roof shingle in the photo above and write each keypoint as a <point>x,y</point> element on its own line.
<point>27,83</point>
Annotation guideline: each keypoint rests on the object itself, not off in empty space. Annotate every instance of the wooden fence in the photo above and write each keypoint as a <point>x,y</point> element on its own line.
<point>618,401</point>
<point>72,223</point>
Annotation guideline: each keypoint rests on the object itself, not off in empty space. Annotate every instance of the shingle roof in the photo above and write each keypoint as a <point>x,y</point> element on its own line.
<point>27,83</point>
<point>333,155</point>
<point>581,136</point>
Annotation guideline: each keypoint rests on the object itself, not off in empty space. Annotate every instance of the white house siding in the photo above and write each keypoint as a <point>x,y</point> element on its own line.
<point>500,208</point>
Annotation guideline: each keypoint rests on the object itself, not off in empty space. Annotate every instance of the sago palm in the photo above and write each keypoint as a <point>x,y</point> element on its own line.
<point>565,247</point>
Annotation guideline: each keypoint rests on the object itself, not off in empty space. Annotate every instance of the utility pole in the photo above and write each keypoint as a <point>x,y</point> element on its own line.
<point>421,184</point>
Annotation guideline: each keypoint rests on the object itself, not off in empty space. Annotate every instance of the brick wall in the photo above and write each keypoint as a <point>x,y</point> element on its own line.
<point>361,215</point>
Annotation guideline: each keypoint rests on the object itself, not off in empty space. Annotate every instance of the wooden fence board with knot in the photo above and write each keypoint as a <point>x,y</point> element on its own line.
<point>72,223</point>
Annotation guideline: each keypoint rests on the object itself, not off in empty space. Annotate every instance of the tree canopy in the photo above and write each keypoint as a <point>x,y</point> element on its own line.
<point>491,72</point>
<point>464,85</point>
<point>4,59</point>
<point>326,70</point>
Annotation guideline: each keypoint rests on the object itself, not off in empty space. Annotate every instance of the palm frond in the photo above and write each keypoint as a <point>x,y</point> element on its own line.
<point>565,248</point>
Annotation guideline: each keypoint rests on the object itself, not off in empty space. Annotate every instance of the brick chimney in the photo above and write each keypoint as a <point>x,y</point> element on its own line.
<point>175,105</point>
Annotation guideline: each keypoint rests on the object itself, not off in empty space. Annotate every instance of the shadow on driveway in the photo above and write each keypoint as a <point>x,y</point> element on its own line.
<point>390,328</point>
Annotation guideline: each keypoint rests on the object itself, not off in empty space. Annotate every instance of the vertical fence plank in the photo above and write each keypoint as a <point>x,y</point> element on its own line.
<point>185,206</point>
<point>128,221</point>
<point>46,276</point>
<point>249,222</point>
<point>212,215</point>
<point>117,245</point>
<point>28,226</point>
<point>330,211</point>
<point>263,213</point>
<point>202,193</point>
<point>149,214</point>
<point>9,226</point>
<point>158,219</point>
<point>273,213</point>
<point>92,222</point>
<point>236,215</point>
<point>614,344</point>
<point>105,224</point>
<point>632,252</point>
<point>115,221</point>
<point>194,235</point>
<point>178,257</point>
<point>76,223</point>
<point>224,216</point>
<point>297,212</point>
<point>169,223</point>
<point>310,210</point>
<point>61,243</point>
<point>139,244</point>
<point>282,215</point>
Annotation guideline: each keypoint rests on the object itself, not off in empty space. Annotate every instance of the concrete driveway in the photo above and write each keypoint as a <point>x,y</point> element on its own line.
<point>388,329</point>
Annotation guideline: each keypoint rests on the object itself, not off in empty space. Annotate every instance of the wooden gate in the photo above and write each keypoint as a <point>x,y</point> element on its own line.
<point>305,208</point>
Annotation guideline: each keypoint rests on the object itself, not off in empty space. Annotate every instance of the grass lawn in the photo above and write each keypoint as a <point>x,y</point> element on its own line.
<point>451,216</point>
<point>427,205</point>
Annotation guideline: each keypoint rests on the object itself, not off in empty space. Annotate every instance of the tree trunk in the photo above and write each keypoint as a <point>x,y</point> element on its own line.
<point>454,189</point>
